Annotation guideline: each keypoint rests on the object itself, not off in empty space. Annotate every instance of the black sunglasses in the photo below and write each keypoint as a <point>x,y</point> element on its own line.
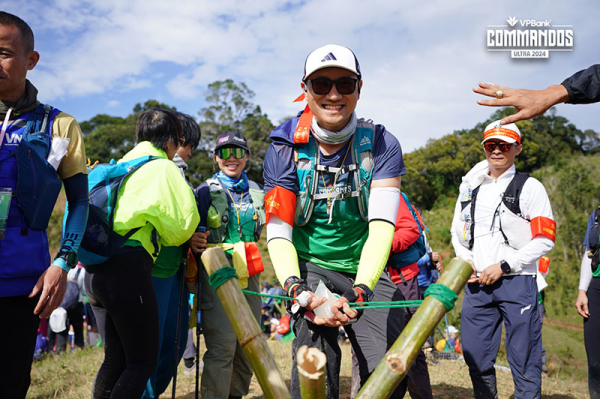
<point>490,146</point>
<point>344,86</point>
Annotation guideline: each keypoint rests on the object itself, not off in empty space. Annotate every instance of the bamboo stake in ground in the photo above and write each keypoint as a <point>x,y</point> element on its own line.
<point>249,334</point>
<point>311,372</point>
<point>398,360</point>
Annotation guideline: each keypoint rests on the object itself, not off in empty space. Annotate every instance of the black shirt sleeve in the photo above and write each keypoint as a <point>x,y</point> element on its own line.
<point>584,86</point>
<point>203,202</point>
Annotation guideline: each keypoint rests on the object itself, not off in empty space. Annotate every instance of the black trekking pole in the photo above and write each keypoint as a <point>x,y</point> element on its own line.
<point>201,229</point>
<point>179,305</point>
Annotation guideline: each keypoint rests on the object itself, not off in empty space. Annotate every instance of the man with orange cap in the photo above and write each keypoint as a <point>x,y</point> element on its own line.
<point>503,225</point>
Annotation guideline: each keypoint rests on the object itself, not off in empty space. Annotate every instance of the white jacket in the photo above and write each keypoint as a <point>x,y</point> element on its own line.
<point>489,247</point>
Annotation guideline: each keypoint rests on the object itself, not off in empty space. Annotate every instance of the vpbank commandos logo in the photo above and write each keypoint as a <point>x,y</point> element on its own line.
<point>529,38</point>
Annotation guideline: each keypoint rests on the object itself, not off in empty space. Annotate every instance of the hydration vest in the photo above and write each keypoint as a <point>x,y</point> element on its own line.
<point>100,241</point>
<point>309,165</point>
<point>35,185</point>
<point>417,249</point>
<point>594,243</point>
<point>218,197</point>
<point>513,226</point>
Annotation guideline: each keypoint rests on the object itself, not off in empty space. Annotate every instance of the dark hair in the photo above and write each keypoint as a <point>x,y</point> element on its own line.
<point>191,130</point>
<point>158,126</point>
<point>7,19</point>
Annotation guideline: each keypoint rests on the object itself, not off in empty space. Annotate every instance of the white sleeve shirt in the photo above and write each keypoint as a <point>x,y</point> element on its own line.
<point>489,246</point>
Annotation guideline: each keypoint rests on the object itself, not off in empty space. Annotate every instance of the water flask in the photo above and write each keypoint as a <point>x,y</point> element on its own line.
<point>214,219</point>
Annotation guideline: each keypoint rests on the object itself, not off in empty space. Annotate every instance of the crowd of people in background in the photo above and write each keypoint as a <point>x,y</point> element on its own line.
<point>334,215</point>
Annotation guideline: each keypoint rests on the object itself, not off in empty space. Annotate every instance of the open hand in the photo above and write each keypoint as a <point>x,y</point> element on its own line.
<point>528,103</point>
<point>53,283</point>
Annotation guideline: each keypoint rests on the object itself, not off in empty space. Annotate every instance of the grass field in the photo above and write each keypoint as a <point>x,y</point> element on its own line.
<point>70,375</point>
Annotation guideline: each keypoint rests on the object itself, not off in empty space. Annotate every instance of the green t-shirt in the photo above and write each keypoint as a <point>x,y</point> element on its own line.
<point>168,262</point>
<point>337,245</point>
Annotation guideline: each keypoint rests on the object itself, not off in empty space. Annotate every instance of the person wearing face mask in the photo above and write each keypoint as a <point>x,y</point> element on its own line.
<point>235,218</point>
<point>333,192</point>
<point>503,225</point>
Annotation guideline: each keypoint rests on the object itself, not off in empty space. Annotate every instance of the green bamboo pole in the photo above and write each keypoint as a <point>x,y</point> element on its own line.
<point>249,334</point>
<point>311,372</point>
<point>398,360</point>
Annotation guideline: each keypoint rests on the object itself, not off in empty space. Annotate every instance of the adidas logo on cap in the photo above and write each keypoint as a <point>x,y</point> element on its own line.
<point>329,57</point>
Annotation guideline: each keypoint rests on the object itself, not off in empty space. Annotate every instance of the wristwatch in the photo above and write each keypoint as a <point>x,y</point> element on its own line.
<point>505,267</point>
<point>69,257</point>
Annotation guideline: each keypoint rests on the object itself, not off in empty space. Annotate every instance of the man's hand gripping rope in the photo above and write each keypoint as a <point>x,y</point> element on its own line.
<point>304,300</point>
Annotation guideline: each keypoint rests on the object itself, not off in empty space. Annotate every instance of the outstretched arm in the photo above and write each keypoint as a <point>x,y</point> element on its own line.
<point>583,87</point>
<point>528,103</point>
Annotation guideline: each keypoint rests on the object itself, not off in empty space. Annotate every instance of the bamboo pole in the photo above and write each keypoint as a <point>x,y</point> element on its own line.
<point>249,334</point>
<point>398,360</point>
<point>311,372</point>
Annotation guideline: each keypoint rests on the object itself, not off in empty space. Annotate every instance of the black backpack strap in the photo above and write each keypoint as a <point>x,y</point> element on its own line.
<point>473,200</point>
<point>511,197</point>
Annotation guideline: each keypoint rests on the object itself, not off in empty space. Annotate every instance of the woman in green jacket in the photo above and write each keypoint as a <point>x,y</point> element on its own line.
<point>157,200</point>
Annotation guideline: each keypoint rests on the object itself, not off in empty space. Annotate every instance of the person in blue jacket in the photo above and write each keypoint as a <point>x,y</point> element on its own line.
<point>33,140</point>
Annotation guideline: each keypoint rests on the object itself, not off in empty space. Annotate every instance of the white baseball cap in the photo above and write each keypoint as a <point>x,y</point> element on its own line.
<point>452,330</point>
<point>509,133</point>
<point>331,56</point>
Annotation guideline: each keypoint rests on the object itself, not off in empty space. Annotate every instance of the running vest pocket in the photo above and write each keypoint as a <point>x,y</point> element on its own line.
<point>23,256</point>
<point>38,185</point>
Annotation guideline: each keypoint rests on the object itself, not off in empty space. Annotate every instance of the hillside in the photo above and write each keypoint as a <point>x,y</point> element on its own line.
<point>562,157</point>
<point>71,375</point>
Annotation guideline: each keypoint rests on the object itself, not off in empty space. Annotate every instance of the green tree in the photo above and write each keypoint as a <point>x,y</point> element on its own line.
<point>231,108</point>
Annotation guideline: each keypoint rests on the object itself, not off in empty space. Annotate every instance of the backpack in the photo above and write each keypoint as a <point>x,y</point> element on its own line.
<point>594,243</point>
<point>510,198</point>
<point>221,206</point>
<point>100,241</point>
<point>417,249</point>
<point>38,184</point>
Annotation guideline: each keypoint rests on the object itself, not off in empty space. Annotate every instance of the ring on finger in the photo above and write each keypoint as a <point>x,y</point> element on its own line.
<point>499,94</point>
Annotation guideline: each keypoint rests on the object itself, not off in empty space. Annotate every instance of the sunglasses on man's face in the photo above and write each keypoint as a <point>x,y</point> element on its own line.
<point>226,152</point>
<point>490,146</point>
<point>322,86</point>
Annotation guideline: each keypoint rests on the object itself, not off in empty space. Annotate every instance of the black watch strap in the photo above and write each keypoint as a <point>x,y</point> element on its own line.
<point>69,257</point>
<point>505,267</point>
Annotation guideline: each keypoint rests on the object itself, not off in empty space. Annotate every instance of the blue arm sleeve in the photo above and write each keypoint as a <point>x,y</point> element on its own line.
<point>76,188</point>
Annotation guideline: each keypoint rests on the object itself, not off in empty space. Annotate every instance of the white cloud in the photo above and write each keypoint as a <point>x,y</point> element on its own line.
<point>419,59</point>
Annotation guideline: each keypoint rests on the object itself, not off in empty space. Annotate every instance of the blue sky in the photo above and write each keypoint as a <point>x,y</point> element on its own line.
<point>419,59</point>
